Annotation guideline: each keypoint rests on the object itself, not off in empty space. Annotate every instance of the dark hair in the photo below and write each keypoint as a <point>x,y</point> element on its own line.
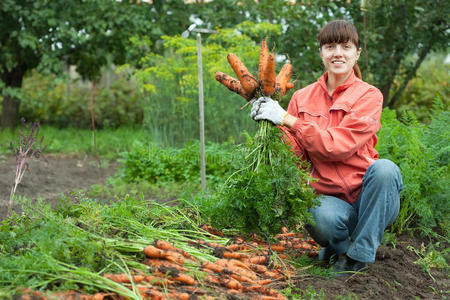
<point>340,31</point>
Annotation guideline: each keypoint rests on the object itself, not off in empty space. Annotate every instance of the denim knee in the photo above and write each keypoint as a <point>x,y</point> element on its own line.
<point>384,171</point>
<point>333,217</point>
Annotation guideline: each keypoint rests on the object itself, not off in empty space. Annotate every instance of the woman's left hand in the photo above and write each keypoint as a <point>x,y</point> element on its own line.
<point>268,109</point>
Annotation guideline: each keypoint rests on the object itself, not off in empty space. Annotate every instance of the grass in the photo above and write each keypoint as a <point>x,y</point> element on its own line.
<point>110,142</point>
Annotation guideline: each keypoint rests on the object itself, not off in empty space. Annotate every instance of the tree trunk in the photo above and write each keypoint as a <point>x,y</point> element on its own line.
<point>10,106</point>
<point>10,112</point>
<point>410,74</point>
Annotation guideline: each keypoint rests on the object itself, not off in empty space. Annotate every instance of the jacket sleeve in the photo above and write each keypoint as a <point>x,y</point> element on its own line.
<point>340,142</point>
<point>289,137</point>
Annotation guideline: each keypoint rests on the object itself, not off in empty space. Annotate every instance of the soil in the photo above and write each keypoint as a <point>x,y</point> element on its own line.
<point>394,275</point>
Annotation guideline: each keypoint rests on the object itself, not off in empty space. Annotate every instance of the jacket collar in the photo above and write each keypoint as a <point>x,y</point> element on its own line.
<point>350,80</point>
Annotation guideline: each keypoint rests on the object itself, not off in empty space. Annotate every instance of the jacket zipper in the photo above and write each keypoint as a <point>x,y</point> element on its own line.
<point>347,189</point>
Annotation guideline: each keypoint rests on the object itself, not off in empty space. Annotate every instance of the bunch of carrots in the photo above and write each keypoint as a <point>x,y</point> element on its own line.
<point>267,84</point>
<point>243,268</point>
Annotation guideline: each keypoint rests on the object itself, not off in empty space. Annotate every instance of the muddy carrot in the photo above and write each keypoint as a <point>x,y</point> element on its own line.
<point>248,81</point>
<point>258,268</point>
<point>231,283</point>
<point>211,230</point>
<point>157,280</point>
<point>283,78</point>
<point>232,84</point>
<point>176,275</point>
<point>264,54</point>
<point>157,263</point>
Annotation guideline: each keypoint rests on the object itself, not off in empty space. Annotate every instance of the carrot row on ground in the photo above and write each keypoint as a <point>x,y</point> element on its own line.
<point>245,267</point>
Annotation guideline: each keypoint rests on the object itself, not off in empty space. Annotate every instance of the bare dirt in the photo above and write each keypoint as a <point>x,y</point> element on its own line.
<point>394,275</point>
<point>51,179</point>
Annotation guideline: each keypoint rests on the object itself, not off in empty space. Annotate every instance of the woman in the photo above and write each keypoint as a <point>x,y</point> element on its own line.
<point>333,123</point>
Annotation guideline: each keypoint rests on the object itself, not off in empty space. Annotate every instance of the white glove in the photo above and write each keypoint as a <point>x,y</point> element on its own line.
<point>266,108</point>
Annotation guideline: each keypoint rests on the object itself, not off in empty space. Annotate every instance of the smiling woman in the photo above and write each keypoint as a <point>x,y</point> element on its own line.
<point>332,123</point>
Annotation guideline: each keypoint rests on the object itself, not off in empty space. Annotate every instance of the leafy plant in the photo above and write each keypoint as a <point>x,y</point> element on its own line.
<point>265,198</point>
<point>421,152</point>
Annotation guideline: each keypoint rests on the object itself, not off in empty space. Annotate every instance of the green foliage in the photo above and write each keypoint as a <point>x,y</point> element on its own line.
<point>152,163</point>
<point>265,198</point>
<point>65,101</point>
<point>70,246</point>
<point>48,34</point>
<point>78,142</point>
<point>431,257</point>
<point>170,82</point>
<point>431,81</point>
<point>422,153</point>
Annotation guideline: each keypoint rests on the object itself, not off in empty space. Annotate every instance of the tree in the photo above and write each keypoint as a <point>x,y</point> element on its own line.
<point>396,31</point>
<point>48,33</point>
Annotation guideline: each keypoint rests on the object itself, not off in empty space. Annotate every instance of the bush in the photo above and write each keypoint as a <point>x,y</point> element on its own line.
<point>155,164</point>
<point>422,153</point>
<point>64,102</point>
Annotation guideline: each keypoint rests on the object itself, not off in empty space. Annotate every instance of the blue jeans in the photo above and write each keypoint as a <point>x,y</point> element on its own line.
<point>358,229</point>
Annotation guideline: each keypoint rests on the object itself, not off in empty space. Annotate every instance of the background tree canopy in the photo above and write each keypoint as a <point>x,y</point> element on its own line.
<point>47,35</point>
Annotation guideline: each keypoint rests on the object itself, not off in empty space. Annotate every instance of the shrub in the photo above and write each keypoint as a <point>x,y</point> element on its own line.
<point>65,102</point>
<point>421,152</point>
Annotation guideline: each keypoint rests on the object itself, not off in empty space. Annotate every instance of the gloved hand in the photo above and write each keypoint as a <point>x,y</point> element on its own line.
<point>266,108</point>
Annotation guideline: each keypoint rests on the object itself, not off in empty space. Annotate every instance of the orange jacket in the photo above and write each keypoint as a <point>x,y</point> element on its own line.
<point>337,134</point>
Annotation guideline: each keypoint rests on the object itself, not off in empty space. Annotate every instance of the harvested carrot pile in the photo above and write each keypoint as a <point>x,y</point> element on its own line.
<point>251,268</point>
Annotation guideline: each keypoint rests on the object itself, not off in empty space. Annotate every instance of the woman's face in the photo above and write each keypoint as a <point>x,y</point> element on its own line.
<point>339,59</point>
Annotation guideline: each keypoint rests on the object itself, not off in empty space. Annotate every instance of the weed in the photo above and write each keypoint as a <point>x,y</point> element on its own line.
<point>27,148</point>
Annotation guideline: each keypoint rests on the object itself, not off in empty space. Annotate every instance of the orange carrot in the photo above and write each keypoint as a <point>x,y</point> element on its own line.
<point>283,78</point>
<point>183,278</point>
<point>248,81</point>
<point>268,86</point>
<point>264,54</point>
<point>231,283</point>
<point>289,85</point>
<point>260,260</point>
<point>232,84</point>
<point>156,263</point>
<point>211,230</point>
<point>233,247</point>
<point>123,278</point>
<point>173,256</point>
<point>287,234</point>
<point>157,280</point>
<point>258,268</point>
<point>163,245</point>
<point>264,281</point>
<point>213,267</point>
<point>175,275</point>
<point>242,278</point>
<point>277,248</point>
<point>236,255</point>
